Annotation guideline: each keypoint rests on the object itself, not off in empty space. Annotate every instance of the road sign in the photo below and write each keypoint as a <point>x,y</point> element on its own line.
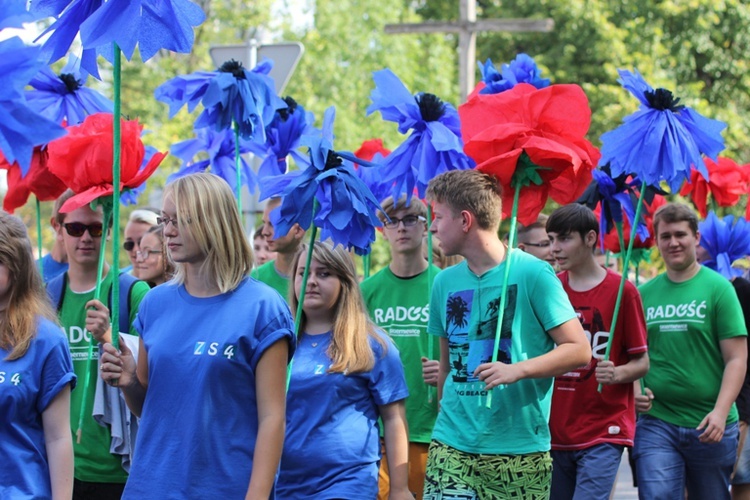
<point>285,57</point>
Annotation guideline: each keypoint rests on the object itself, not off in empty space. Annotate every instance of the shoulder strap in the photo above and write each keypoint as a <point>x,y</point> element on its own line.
<point>127,281</point>
<point>56,290</point>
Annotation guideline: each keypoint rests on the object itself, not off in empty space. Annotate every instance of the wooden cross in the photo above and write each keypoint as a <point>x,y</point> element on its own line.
<point>467,28</point>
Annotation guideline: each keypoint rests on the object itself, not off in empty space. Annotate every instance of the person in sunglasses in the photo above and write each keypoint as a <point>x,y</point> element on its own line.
<point>98,472</point>
<point>140,221</point>
<point>397,298</point>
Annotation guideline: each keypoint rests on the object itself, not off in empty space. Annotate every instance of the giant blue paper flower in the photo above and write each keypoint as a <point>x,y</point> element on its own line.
<point>21,128</point>
<point>229,95</point>
<point>348,210</point>
<point>13,14</point>
<point>64,98</point>
<point>661,141</point>
<point>435,144</point>
<point>221,157</point>
<point>726,240</point>
<point>283,136</point>
<point>616,196</point>
<point>151,24</point>
<point>522,69</point>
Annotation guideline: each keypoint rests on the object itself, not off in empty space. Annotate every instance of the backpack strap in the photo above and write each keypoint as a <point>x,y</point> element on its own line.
<point>56,290</point>
<point>127,282</point>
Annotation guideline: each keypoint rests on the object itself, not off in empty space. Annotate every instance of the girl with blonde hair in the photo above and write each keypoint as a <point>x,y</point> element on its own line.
<point>345,376</point>
<point>214,344</point>
<point>36,377</point>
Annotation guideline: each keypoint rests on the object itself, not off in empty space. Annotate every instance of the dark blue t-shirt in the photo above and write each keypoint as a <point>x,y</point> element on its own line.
<point>199,421</point>
<point>27,386</point>
<point>332,446</point>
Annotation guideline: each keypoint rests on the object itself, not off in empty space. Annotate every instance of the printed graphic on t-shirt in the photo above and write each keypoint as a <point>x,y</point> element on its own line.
<point>399,321</point>
<point>471,336</point>
<point>675,317</point>
<point>593,326</point>
<point>79,340</point>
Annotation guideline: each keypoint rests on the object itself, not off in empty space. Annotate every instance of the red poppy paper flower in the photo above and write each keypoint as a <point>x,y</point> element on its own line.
<point>612,241</point>
<point>549,125</point>
<point>369,147</point>
<point>727,182</point>
<point>83,159</point>
<point>38,181</point>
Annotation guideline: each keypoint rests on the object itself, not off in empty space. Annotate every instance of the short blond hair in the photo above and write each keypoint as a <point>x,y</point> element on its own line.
<point>472,191</point>
<point>390,206</point>
<point>207,209</point>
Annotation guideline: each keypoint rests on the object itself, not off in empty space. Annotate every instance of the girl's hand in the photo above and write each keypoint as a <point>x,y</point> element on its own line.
<point>118,368</point>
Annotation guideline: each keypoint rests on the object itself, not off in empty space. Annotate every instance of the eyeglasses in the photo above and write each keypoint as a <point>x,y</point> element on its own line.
<point>76,229</point>
<point>408,221</point>
<point>166,220</point>
<point>128,245</point>
<point>145,254</point>
<point>543,244</point>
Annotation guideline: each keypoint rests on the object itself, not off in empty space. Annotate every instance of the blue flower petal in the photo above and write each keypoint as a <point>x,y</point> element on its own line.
<point>726,240</point>
<point>522,69</point>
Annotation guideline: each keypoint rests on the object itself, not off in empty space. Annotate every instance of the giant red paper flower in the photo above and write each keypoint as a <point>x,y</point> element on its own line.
<point>38,181</point>
<point>83,159</point>
<point>727,182</point>
<point>549,125</point>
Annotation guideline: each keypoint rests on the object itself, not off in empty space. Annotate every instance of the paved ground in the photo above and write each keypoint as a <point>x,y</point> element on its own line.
<point>624,489</point>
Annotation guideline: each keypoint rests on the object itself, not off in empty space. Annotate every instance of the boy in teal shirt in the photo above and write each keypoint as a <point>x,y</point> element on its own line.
<point>501,451</point>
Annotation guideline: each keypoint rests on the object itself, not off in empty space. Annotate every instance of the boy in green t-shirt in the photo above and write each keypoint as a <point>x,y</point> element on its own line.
<point>98,473</point>
<point>501,451</point>
<point>276,273</point>
<point>697,338</point>
<point>398,301</point>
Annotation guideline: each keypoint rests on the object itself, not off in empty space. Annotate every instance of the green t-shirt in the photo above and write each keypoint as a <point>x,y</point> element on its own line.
<point>401,308</point>
<point>93,461</point>
<point>268,274</point>
<point>685,323</point>
<point>464,308</point>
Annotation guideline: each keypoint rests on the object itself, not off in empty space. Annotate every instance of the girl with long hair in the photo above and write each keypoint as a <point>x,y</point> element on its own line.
<point>345,376</point>
<point>214,344</point>
<point>151,261</point>
<point>36,377</point>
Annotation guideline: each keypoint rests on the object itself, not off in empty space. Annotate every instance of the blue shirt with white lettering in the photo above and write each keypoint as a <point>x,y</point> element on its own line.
<point>27,387</point>
<point>332,446</point>
<point>199,422</point>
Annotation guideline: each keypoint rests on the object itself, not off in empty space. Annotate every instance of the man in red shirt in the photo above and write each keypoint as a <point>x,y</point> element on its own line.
<point>590,428</point>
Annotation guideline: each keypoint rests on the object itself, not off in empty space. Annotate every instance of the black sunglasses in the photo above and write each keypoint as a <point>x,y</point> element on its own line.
<point>76,229</point>
<point>128,245</point>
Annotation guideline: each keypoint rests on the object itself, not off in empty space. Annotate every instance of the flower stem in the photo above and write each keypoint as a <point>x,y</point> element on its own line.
<point>305,275</point>
<point>504,290</point>
<point>116,170</point>
<point>39,234</point>
<point>238,168</point>
<point>624,278</point>
<point>431,391</point>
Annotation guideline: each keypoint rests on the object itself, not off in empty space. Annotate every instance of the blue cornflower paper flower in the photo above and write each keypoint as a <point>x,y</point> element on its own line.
<point>232,94</point>
<point>522,69</point>
<point>726,240</point>
<point>661,141</point>
<point>65,29</point>
<point>130,196</point>
<point>21,128</point>
<point>13,14</point>
<point>615,196</point>
<point>283,137</point>
<point>64,98</point>
<point>371,176</point>
<point>435,144</point>
<point>348,210</point>
<point>151,24</point>
<point>221,157</point>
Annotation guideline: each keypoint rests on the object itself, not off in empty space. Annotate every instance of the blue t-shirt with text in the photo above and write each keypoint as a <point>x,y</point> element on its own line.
<point>199,422</point>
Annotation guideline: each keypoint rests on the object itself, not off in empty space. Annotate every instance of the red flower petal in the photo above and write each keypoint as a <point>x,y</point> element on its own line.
<point>368,149</point>
<point>727,182</point>
<point>38,181</point>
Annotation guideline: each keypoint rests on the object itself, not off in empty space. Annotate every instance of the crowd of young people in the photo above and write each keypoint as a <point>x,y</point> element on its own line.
<point>399,366</point>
